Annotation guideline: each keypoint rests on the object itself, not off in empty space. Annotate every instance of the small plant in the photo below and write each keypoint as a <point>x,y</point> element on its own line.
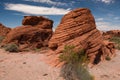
<point>70,56</point>
<point>117,41</point>
<point>26,50</point>
<point>108,58</point>
<point>37,49</point>
<point>11,48</point>
<point>76,64</point>
<point>118,46</point>
<point>1,38</point>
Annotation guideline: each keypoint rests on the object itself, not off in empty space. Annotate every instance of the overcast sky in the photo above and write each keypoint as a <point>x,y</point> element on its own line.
<point>106,12</point>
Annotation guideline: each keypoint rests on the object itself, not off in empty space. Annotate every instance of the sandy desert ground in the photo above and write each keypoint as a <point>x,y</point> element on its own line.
<point>29,66</point>
<point>108,70</point>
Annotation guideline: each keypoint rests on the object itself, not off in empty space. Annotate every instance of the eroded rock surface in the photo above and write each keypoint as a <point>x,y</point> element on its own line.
<point>4,30</point>
<point>111,33</point>
<point>35,33</point>
<point>78,28</point>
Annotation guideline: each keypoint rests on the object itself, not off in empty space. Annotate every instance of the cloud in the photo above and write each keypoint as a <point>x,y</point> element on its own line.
<point>105,26</point>
<point>107,1</point>
<point>109,22</point>
<point>117,18</point>
<point>48,2</point>
<point>99,19</point>
<point>53,29</point>
<point>112,16</point>
<point>35,10</point>
<point>102,25</point>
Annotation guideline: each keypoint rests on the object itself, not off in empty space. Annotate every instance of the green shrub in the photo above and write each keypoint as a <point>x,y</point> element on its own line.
<point>118,47</point>
<point>26,50</point>
<point>76,64</point>
<point>37,49</point>
<point>107,58</point>
<point>70,56</point>
<point>117,41</point>
<point>11,48</point>
<point>1,38</point>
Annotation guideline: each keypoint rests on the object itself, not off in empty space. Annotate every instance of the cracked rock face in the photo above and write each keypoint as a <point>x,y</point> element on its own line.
<point>78,28</point>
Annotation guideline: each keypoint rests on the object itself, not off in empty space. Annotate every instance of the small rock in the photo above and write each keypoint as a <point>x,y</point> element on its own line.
<point>45,74</point>
<point>24,62</point>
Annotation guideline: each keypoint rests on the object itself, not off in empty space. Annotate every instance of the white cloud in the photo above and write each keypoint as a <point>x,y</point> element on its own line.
<point>110,22</point>
<point>102,25</point>
<point>53,29</point>
<point>107,1</point>
<point>99,19</point>
<point>47,1</point>
<point>105,26</point>
<point>36,10</point>
<point>117,18</point>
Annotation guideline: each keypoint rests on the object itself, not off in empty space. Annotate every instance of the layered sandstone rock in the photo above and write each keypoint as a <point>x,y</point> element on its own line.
<point>4,30</point>
<point>78,28</point>
<point>36,21</point>
<point>29,35</point>
<point>111,33</point>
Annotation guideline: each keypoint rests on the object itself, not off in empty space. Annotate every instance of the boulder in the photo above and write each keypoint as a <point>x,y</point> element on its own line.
<point>4,30</point>
<point>78,28</point>
<point>38,21</point>
<point>35,33</point>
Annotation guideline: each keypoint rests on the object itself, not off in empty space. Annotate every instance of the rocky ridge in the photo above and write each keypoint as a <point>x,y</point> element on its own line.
<point>111,33</point>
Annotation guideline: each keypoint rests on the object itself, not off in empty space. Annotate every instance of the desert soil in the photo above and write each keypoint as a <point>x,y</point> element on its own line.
<point>108,70</point>
<point>32,66</point>
<point>26,66</point>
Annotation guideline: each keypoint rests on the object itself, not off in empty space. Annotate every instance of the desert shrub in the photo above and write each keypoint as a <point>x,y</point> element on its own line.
<point>70,56</point>
<point>118,46</point>
<point>37,49</point>
<point>26,50</point>
<point>11,48</point>
<point>117,41</point>
<point>1,38</point>
<point>107,58</point>
<point>76,64</point>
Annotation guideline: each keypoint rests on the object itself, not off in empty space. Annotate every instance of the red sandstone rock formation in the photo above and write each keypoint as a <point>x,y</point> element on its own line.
<point>4,30</point>
<point>78,28</point>
<point>111,33</point>
<point>36,21</point>
<point>35,33</point>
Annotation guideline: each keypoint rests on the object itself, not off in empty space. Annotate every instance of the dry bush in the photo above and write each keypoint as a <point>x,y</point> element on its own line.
<point>11,48</point>
<point>76,64</point>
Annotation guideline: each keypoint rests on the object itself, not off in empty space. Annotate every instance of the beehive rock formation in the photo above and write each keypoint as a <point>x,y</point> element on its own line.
<point>78,28</point>
<point>35,33</point>
<point>4,30</point>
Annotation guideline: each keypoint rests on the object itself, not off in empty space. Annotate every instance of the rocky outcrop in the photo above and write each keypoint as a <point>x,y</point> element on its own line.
<point>111,33</point>
<point>4,30</point>
<point>35,33</point>
<point>78,28</point>
<point>36,21</point>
